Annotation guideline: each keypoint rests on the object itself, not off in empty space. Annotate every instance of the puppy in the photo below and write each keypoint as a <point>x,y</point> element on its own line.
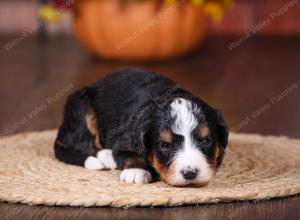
<point>145,125</point>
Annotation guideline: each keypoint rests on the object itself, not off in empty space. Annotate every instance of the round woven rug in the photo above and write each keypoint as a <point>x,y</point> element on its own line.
<point>255,167</point>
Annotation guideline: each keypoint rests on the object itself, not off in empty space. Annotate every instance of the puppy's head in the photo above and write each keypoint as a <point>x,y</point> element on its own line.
<point>187,142</point>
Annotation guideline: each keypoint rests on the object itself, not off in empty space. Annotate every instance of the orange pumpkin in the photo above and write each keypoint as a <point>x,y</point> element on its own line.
<point>139,30</point>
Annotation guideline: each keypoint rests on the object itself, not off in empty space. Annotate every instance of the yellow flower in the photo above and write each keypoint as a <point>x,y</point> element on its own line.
<point>198,2</point>
<point>228,3</point>
<point>215,10</point>
<point>49,14</point>
<point>171,1</point>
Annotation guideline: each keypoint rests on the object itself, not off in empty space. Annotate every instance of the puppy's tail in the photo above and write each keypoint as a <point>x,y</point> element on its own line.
<point>75,142</point>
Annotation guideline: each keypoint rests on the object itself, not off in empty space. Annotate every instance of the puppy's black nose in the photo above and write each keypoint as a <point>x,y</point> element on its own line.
<point>189,173</point>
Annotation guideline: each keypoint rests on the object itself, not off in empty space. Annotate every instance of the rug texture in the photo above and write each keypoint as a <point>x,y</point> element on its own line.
<point>255,167</point>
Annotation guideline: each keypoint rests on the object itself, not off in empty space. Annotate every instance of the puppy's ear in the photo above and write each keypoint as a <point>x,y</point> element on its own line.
<point>222,130</point>
<point>141,143</point>
<point>140,129</point>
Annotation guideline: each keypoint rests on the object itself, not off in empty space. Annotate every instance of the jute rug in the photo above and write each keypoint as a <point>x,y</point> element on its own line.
<point>255,167</point>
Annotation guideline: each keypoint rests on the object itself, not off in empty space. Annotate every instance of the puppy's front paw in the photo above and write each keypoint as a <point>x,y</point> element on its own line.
<point>105,156</point>
<point>92,163</point>
<point>136,175</point>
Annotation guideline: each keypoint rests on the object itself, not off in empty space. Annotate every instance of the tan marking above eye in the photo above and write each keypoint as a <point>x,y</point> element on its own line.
<point>203,132</point>
<point>166,136</point>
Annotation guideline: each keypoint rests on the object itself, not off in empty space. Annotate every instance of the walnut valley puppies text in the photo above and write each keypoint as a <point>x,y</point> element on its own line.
<point>265,107</point>
<point>38,109</point>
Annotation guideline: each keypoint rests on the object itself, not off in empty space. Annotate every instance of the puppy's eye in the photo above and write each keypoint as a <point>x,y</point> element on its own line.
<point>205,142</point>
<point>165,145</point>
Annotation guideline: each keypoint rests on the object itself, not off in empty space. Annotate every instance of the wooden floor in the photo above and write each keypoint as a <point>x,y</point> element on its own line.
<point>256,85</point>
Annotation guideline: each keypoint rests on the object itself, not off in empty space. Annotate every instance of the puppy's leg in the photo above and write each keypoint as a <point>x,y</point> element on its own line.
<point>134,168</point>
<point>78,141</point>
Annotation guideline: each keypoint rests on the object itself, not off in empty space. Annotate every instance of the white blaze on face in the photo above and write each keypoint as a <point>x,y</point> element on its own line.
<point>189,155</point>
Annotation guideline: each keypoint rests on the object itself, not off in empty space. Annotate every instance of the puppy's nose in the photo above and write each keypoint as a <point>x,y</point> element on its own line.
<point>189,173</point>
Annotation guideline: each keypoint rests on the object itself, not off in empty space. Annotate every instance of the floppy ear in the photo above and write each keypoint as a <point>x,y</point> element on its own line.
<point>140,143</point>
<point>139,139</point>
<point>222,130</point>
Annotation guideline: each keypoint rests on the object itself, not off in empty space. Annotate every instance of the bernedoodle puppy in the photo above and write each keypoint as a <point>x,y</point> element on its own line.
<point>145,125</point>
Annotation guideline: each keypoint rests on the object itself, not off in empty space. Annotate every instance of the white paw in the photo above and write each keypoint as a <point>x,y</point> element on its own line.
<point>136,175</point>
<point>106,158</point>
<point>92,163</point>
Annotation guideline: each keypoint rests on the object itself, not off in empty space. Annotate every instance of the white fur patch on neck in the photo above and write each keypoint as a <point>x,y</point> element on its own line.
<point>189,155</point>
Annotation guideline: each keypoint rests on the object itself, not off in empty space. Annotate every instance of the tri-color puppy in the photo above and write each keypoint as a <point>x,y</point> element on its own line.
<point>146,126</point>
